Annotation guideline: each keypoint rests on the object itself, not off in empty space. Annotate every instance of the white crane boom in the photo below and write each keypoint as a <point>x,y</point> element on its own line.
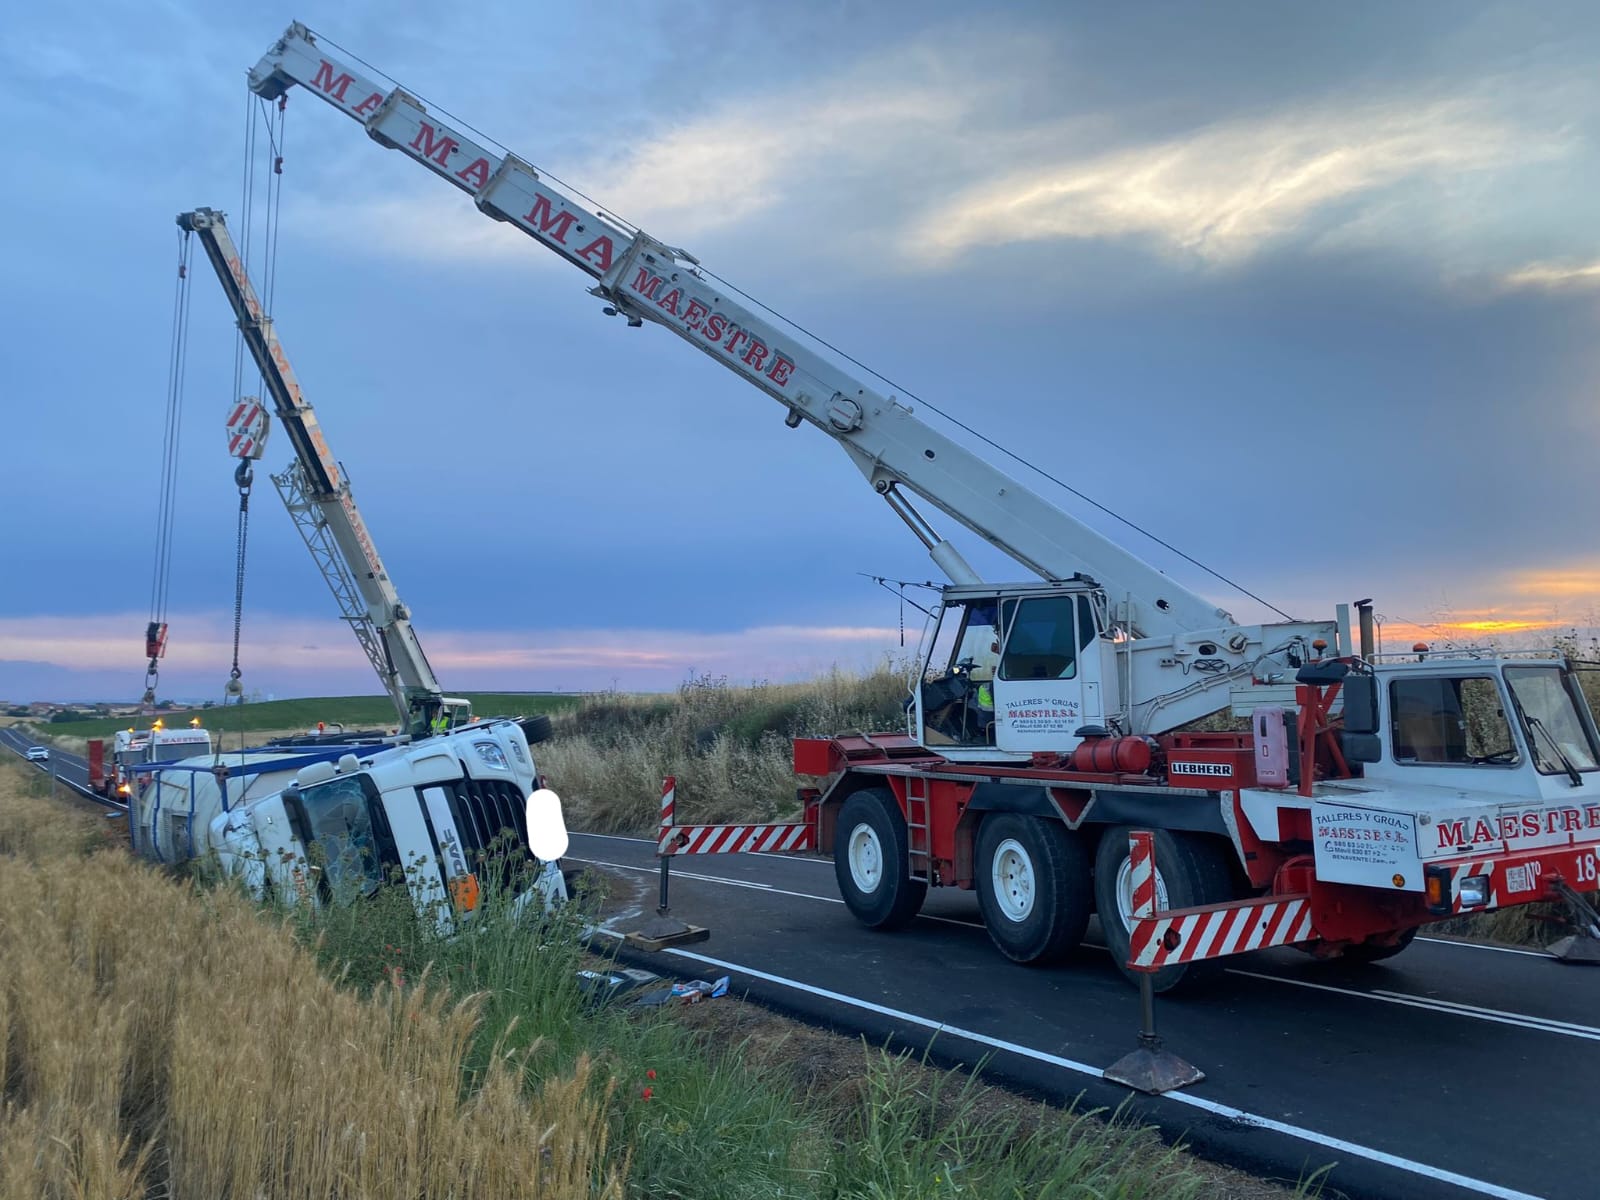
<point>1175,652</point>
<point>319,497</point>
<point>644,280</point>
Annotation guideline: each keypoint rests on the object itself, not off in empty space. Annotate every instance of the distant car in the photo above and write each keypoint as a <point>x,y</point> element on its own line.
<point>38,754</point>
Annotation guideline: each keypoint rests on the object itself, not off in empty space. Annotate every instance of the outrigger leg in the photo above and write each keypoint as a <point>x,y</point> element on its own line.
<point>1583,946</point>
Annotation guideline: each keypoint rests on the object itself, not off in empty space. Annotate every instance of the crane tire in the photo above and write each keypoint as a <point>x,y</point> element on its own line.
<point>1191,870</point>
<point>1032,876</point>
<point>536,729</point>
<point>872,861</point>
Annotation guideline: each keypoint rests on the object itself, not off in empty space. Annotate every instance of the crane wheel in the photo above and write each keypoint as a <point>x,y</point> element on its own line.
<point>872,861</point>
<point>1033,886</point>
<point>1191,870</point>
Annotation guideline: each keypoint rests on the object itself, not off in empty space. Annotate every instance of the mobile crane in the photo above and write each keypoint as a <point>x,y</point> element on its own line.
<point>1371,795</point>
<point>318,496</point>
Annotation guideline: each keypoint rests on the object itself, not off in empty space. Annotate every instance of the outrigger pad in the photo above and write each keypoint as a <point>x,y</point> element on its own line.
<point>1153,1071</point>
<point>1578,948</point>
<point>661,932</point>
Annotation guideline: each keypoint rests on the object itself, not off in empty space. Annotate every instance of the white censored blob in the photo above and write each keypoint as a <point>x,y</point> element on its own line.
<point>547,828</point>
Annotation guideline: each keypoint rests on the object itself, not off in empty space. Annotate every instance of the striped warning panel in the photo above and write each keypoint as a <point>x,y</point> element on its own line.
<point>247,429</point>
<point>735,839</point>
<point>1188,935</point>
<point>1214,931</point>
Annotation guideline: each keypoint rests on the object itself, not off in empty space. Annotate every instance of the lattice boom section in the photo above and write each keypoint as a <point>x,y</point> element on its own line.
<point>736,839</point>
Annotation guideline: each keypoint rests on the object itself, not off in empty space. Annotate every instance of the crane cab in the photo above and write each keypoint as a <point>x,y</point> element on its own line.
<point>1013,670</point>
<point>1482,721</point>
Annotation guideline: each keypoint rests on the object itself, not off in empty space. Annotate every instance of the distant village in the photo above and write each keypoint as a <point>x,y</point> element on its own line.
<point>50,711</point>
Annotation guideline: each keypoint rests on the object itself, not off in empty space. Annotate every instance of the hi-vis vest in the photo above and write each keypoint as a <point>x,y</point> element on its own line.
<point>441,724</point>
<point>986,695</point>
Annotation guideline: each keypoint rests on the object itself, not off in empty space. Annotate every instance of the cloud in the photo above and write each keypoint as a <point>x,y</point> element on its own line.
<point>761,152</point>
<point>1555,275</point>
<point>1221,193</point>
<point>435,224</point>
<point>948,143</point>
<point>1570,582</point>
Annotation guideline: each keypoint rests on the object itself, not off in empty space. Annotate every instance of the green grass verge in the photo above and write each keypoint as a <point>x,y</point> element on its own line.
<point>705,1119</point>
<point>353,712</point>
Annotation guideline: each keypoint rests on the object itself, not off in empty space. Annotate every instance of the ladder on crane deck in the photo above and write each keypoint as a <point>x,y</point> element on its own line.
<point>921,855</point>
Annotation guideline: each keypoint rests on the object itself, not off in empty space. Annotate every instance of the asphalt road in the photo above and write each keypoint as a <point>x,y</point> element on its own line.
<point>70,769</point>
<point>1450,1071</point>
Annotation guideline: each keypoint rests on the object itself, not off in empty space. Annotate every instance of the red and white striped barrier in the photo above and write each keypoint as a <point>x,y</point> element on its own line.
<point>726,839</point>
<point>1213,931</point>
<point>669,800</point>
<point>736,839</point>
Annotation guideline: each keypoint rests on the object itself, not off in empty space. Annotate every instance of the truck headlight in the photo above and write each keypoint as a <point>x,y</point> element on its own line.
<point>491,754</point>
<point>1475,891</point>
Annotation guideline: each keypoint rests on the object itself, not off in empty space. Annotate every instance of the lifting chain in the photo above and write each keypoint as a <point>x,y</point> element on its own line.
<point>244,476</point>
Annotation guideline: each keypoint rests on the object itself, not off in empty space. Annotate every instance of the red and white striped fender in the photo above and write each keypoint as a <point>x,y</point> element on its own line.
<point>1519,878</point>
<point>1213,931</point>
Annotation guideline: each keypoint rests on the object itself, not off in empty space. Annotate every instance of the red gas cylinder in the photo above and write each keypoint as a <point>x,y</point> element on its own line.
<point>1112,756</point>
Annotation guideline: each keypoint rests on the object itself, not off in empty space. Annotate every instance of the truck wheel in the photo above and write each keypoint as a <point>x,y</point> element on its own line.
<point>1033,886</point>
<point>1190,871</point>
<point>872,861</point>
<point>536,728</point>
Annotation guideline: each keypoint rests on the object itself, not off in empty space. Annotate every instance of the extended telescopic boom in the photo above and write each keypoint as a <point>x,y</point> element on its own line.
<point>644,280</point>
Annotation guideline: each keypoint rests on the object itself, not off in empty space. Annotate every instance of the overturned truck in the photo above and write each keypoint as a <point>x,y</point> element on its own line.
<point>333,819</point>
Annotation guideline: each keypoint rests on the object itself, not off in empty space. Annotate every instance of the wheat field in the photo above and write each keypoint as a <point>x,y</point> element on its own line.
<point>157,1040</point>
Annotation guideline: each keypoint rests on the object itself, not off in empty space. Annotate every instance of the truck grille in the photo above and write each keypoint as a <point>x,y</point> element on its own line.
<point>492,811</point>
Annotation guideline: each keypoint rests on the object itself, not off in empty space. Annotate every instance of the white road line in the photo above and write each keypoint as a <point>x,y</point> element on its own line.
<point>1227,1111</point>
<point>1566,1029</point>
<point>760,887</point>
<point>1473,1009</point>
<point>1481,946</point>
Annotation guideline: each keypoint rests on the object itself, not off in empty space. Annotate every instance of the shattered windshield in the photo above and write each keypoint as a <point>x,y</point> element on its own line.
<point>340,836</point>
<point>1557,734</point>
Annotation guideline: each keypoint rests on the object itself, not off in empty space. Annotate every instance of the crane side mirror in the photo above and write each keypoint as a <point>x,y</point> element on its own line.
<point>1361,705</point>
<point>1361,747</point>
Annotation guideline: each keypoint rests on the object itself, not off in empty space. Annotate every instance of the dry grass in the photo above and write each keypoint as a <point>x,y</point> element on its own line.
<point>729,747</point>
<point>156,1040</point>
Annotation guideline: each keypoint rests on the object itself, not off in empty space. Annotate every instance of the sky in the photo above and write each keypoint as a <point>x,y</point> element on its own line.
<point>1311,294</point>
